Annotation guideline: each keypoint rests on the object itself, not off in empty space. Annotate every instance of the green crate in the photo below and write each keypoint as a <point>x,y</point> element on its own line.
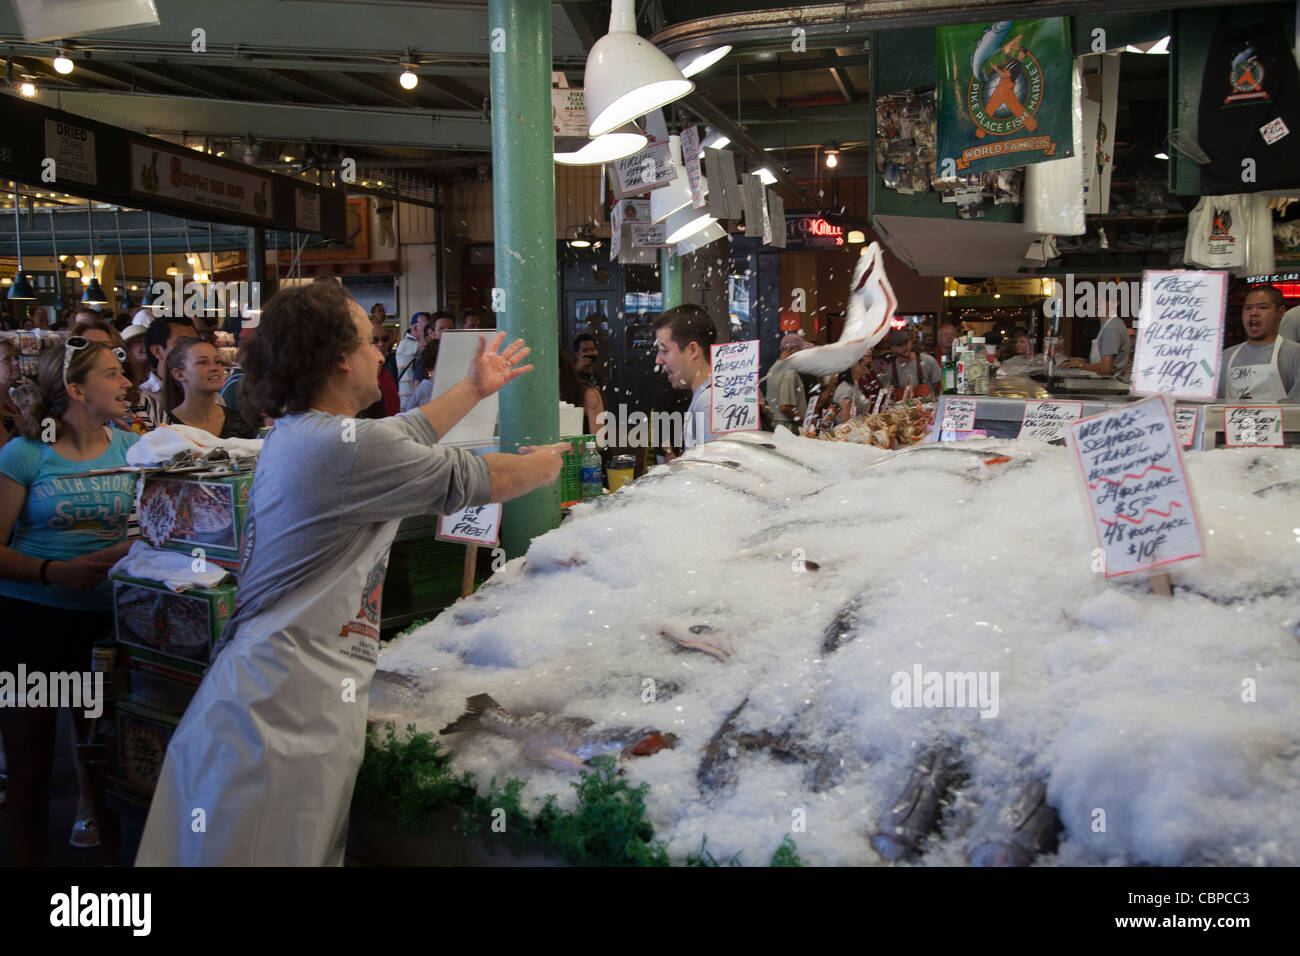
<point>181,514</point>
<point>183,625</point>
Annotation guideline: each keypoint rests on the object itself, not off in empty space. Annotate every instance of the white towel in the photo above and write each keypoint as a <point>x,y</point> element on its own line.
<point>166,441</point>
<point>172,568</point>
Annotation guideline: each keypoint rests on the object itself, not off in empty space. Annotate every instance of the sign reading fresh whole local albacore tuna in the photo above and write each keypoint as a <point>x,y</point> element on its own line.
<point>1004,95</point>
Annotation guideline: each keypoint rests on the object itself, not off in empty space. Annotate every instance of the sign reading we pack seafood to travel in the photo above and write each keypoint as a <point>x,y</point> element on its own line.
<point>1136,488</point>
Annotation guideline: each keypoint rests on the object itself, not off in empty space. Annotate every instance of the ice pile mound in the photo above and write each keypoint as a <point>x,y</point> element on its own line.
<point>1166,730</point>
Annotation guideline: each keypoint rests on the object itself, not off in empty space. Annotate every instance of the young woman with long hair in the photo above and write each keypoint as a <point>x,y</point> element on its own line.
<point>192,380</point>
<point>63,531</point>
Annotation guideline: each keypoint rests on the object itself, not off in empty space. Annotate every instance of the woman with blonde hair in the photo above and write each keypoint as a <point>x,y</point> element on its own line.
<point>62,532</point>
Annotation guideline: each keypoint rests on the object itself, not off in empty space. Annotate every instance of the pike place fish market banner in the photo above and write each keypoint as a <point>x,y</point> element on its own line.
<point>1004,94</point>
<point>183,176</point>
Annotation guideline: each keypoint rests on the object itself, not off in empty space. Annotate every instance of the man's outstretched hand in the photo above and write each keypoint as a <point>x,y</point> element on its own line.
<point>490,370</point>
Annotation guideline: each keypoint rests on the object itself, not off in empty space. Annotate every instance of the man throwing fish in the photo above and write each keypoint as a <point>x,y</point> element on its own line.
<point>261,769</point>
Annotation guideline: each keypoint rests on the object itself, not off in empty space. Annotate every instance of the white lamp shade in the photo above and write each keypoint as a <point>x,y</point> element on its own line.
<point>686,223</point>
<point>666,200</point>
<point>697,61</point>
<point>627,76</point>
<point>619,144</point>
<point>710,233</point>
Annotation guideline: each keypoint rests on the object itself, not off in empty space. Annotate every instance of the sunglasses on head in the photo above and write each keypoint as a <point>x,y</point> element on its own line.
<point>78,342</point>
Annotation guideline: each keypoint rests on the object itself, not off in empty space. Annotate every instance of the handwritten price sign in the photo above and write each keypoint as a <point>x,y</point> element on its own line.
<point>1181,334</point>
<point>480,524</point>
<point>1186,420</point>
<point>735,387</point>
<point>1252,425</point>
<point>1047,421</point>
<point>958,414</point>
<point>1137,491</point>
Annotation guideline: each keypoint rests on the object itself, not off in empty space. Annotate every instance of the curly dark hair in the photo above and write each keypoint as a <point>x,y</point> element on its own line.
<point>303,334</point>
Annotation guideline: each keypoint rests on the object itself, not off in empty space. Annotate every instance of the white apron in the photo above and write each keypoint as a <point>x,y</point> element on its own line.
<point>261,769</point>
<point>1094,354</point>
<point>1255,383</point>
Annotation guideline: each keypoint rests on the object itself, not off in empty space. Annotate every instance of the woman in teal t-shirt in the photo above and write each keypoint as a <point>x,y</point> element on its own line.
<point>59,536</point>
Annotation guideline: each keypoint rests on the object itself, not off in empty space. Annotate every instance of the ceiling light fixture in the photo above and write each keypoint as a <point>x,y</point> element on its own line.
<point>685,223</point>
<point>856,237</point>
<point>62,64</point>
<point>627,76</point>
<point>22,287</point>
<point>832,155</point>
<point>27,88</point>
<point>619,144</point>
<point>408,79</point>
<point>697,61</point>
<point>666,200</point>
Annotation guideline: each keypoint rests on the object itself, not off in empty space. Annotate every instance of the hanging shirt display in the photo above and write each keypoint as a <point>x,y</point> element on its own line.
<point>1250,110</point>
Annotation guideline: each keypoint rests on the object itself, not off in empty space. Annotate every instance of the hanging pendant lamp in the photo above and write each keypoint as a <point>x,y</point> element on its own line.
<point>627,76</point>
<point>22,289</point>
<point>667,200</point>
<point>94,294</point>
<point>621,143</point>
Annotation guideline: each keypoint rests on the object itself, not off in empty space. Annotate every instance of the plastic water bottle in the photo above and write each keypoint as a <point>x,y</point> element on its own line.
<point>592,483</point>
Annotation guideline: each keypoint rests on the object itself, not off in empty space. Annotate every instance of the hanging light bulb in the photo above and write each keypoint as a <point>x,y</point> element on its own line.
<point>408,79</point>
<point>62,64</point>
<point>172,270</point>
<point>27,88</point>
<point>627,76</point>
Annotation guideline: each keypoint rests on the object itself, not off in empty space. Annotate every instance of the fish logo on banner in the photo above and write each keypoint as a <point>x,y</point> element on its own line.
<point>1246,75</point>
<point>1004,94</point>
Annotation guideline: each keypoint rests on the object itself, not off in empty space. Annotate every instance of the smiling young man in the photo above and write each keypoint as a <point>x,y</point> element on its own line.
<point>683,336</point>
<point>270,745</point>
<point>1266,367</point>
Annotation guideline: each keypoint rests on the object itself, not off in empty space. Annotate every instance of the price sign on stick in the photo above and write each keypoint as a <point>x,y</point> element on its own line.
<point>735,387</point>
<point>1181,334</point>
<point>1047,421</point>
<point>480,524</point>
<point>958,414</point>
<point>1252,425</point>
<point>1186,420</point>
<point>1136,488</point>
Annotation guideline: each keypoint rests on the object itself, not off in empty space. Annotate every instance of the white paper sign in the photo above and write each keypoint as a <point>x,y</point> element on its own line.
<point>1181,334</point>
<point>641,172</point>
<point>1047,421</point>
<point>1137,492</point>
<point>1252,425</point>
<point>1186,420</point>
<point>73,151</point>
<point>735,387</point>
<point>568,113</point>
<point>650,235</point>
<point>455,350</point>
<point>958,414</point>
<point>480,524</point>
<point>306,210</point>
<point>691,157</point>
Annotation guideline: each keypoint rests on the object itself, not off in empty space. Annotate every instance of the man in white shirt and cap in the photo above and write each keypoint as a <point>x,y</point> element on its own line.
<point>786,401</point>
<point>1266,367</point>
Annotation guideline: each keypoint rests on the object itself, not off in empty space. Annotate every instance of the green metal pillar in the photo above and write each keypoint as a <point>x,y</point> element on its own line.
<point>523,193</point>
<point>670,272</point>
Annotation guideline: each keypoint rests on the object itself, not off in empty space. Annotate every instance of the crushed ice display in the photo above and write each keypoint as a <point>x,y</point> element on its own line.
<point>742,630</point>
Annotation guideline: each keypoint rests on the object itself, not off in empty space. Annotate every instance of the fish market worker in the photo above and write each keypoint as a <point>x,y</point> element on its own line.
<point>261,769</point>
<point>1112,350</point>
<point>1265,367</point>
<point>684,336</point>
